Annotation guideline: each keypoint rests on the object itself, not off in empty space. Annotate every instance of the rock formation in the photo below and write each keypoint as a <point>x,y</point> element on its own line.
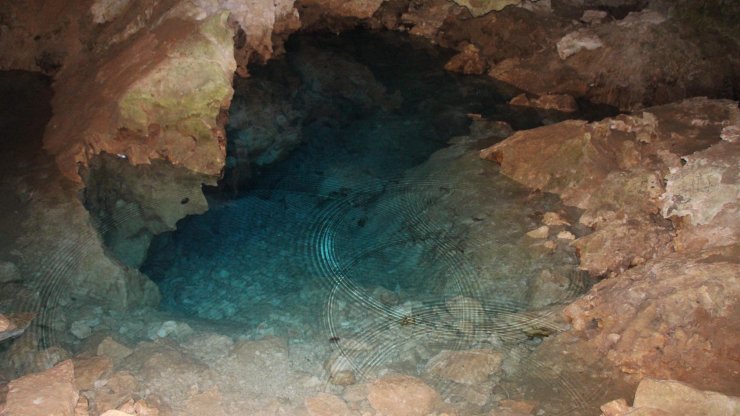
<point>646,317</point>
<point>141,98</point>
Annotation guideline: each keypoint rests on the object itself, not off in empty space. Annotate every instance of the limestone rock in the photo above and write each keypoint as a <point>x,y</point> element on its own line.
<point>361,9</point>
<point>114,412</point>
<point>674,397</point>
<point>556,102</point>
<point>615,408</point>
<point>479,8</point>
<point>107,10</point>
<point>117,390</point>
<point>574,42</point>
<point>49,393</point>
<point>581,65</point>
<point>206,403</point>
<point>399,395</point>
<point>593,16</point>
<point>143,116</point>
<point>597,167</point>
<point>539,233</point>
<point>466,309</point>
<point>114,350</point>
<point>326,405</point>
<point>465,367</point>
<point>669,397</point>
<point>655,319</point>
<point>426,18</point>
<point>89,370</point>
<point>706,185</point>
<point>553,219</point>
<point>468,61</point>
<point>548,288</point>
<point>566,235</point>
<point>9,272</point>
<point>615,247</point>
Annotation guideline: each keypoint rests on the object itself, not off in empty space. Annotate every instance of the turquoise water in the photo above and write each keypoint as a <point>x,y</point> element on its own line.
<point>357,228</point>
<point>263,253</point>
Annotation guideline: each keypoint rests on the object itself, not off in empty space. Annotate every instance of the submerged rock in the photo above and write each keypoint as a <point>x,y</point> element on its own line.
<point>399,395</point>
<point>326,405</point>
<point>465,367</point>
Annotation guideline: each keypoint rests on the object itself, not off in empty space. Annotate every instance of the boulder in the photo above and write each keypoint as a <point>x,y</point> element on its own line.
<point>614,169</point>
<point>468,61</point>
<point>49,393</point>
<point>675,398</point>
<point>670,397</point>
<point>574,42</point>
<point>326,404</point>
<point>668,318</point>
<point>465,367</point>
<point>88,370</point>
<point>703,196</point>
<point>479,8</point>
<point>399,395</point>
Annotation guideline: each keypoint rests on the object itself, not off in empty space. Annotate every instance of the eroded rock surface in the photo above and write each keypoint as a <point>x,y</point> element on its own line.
<point>50,393</point>
<point>661,313</point>
<point>398,395</point>
<point>614,170</point>
<point>667,397</point>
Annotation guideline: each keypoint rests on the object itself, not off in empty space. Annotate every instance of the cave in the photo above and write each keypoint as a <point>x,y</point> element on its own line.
<point>381,207</point>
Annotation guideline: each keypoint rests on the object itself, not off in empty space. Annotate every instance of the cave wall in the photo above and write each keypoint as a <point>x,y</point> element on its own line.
<point>149,83</point>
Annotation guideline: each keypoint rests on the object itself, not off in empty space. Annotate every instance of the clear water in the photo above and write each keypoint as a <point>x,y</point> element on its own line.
<point>374,226</point>
<point>314,214</point>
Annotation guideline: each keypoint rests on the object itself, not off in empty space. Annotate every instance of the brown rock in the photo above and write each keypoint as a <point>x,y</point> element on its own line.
<point>89,370</point>
<point>615,247</point>
<point>113,350</point>
<point>326,405</point>
<point>705,194</point>
<point>641,319</point>
<point>207,403</point>
<point>83,407</point>
<point>114,412</point>
<point>676,398</point>
<point>467,309</point>
<point>617,407</point>
<point>465,367</point>
<point>4,323</point>
<point>539,233</point>
<point>593,16</point>
<point>119,389</point>
<point>520,406</point>
<point>548,288</point>
<point>577,41</point>
<point>557,102</point>
<point>427,17</point>
<point>598,167</point>
<point>399,395</point>
<point>468,61</point>
<point>49,393</point>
